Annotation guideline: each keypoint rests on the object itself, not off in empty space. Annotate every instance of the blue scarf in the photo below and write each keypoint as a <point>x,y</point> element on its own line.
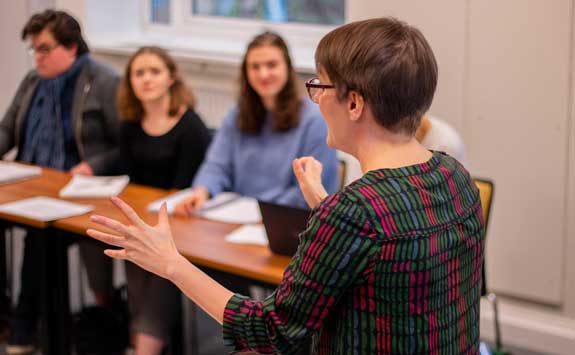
<point>45,137</point>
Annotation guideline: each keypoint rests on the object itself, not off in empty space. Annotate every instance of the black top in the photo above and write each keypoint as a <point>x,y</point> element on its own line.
<point>167,161</point>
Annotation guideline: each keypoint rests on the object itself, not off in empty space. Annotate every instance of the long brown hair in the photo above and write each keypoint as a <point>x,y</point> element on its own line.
<point>130,107</point>
<point>252,112</point>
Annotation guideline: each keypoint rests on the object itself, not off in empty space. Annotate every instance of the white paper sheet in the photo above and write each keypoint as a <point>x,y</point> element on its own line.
<point>94,186</point>
<point>12,172</point>
<point>174,199</point>
<point>249,234</point>
<point>243,210</point>
<point>44,208</point>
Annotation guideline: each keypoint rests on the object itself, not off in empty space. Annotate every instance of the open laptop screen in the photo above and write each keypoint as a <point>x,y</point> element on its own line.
<point>283,225</point>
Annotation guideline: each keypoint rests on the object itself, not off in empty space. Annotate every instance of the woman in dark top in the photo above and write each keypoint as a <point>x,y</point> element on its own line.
<point>163,144</point>
<point>168,160</point>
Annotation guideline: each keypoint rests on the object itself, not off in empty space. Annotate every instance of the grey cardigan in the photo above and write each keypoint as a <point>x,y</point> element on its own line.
<point>94,116</point>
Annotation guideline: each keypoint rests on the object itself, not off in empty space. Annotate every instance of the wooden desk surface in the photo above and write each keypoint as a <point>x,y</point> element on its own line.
<point>201,241</point>
<point>48,184</point>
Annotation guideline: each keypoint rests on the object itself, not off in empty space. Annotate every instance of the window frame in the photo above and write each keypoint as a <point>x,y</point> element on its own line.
<point>234,33</point>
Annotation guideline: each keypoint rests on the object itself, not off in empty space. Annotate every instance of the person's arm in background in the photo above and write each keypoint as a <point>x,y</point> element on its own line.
<point>314,145</point>
<point>216,172</point>
<point>107,162</point>
<point>191,151</point>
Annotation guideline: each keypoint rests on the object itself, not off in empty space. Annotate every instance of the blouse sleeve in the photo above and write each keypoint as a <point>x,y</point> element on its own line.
<point>334,250</point>
<point>216,172</point>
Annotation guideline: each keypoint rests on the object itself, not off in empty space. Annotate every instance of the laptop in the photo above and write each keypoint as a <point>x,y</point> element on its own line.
<point>283,225</point>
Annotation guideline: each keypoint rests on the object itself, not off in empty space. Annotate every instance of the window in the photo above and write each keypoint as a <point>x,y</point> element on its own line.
<point>212,31</point>
<point>160,11</point>
<point>319,12</point>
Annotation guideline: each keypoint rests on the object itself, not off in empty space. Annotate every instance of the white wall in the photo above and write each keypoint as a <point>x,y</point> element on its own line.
<point>15,61</point>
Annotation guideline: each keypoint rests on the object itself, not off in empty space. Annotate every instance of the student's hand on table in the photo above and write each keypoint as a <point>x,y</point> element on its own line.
<point>82,169</point>
<point>193,202</point>
<point>150,247</point>
<point>307,170</point>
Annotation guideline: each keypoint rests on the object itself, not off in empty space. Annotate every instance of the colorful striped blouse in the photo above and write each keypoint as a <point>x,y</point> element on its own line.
<point>391,264</point>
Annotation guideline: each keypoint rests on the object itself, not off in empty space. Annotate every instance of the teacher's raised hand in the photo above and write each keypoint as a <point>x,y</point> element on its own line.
<point>308,170</point>
<point>150,247</point>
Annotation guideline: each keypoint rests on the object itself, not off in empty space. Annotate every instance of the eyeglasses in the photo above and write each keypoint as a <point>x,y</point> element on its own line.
<point>314,87</point>
<point>42,50</point>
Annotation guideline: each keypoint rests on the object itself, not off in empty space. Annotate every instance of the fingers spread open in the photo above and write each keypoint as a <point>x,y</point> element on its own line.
<point>129,212</point>
<point>116,254</point>
<point>106,237</point>
<point>163,217</point>
<point>110,223</point>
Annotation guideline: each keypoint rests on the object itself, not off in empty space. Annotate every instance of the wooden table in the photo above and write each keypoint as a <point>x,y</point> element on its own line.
<point>199,240</point>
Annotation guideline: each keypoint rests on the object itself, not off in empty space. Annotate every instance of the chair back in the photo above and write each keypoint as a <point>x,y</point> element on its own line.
<point>486,188</point>
<point>486,195</point>
<point>342,171</point>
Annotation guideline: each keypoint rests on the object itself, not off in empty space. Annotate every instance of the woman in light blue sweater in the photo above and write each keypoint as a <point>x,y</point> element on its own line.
<point>253,151</point>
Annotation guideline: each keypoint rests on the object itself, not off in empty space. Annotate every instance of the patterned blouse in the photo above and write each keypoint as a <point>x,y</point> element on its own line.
<point>391,264</point>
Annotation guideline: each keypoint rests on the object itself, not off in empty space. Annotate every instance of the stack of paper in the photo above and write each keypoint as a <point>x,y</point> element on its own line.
<point>44,208</point>
<point>227,207</point>
<point>172,200</point>
<point>249,234</point>
<point>82,186</point>
<point>11,172</point>
<point>242,210</point>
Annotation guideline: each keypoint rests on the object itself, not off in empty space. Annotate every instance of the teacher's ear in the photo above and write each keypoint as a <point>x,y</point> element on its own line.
<point>355,105</point>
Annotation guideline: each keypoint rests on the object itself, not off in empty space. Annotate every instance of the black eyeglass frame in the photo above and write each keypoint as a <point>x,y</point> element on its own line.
<point>309,85</point>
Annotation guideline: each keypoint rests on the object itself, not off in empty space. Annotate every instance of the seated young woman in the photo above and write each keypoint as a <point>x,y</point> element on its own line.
<point>271,125</point>
<point>163,143</point>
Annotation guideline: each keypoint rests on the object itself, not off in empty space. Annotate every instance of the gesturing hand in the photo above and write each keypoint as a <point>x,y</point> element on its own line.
<point>150,247</point>
<point>308,173</point>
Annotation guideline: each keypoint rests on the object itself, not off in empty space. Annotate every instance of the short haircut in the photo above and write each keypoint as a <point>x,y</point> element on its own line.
<point>65,29</point>
<point>130,107</point>
<point>252,112</point>
<point>386,61</point>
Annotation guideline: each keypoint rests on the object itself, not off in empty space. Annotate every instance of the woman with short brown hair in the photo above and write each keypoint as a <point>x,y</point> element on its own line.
<point>391,264</point>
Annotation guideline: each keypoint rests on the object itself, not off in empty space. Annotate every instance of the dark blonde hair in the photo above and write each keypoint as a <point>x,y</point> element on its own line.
<point>386,61</point>
<point>252,112</point>
<point>129,106</point>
